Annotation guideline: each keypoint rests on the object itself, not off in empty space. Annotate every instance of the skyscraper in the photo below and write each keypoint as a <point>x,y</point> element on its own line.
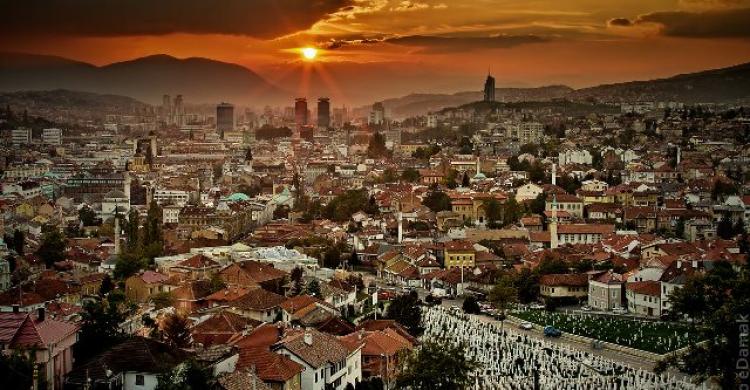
<point>178,111</point>
<point>300,112</point>
<point>489,89</point>
<point>224,118</point>
<point>377,115</point>
<point>324,112</point>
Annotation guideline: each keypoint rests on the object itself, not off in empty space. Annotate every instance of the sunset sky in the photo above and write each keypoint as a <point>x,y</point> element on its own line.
<point>393,47</point>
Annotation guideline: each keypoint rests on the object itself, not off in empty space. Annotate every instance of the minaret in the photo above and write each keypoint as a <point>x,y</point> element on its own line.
<point>126,185</point>
<point>479,167</point>
<point>117,236</point>
<point>553,224</point>
<point>400,227</point>
<point>554,174</point>
<point>679,157</point>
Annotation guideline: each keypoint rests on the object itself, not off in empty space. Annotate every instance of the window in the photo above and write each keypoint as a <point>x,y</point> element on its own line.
<point>140,380</point>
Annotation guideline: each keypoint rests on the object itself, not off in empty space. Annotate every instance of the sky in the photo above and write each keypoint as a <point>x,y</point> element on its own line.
<point>381,48</point>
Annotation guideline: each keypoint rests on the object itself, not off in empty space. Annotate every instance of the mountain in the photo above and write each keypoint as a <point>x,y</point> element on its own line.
<point>418,104</point>
<point>717,85</point>
<point>67,106</point>
<point>200,80</point>
<point>730,84</point>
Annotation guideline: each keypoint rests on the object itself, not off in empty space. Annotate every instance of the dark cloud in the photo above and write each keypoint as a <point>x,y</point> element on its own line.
<point>256,18</point>
<point>723,23</point>
<point>442,44</point>
<point>620,22</point>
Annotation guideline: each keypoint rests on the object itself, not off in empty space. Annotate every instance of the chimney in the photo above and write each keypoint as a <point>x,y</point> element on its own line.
<point>40,314</point>
<point>308,338</point>
<point>554,174</point>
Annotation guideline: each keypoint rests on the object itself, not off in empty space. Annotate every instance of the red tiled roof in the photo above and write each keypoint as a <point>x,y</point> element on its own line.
<point>258,299</point>
<point>269,366</point>
<point>649,287</point>
<point>569,280</point>
<point>198,261</point>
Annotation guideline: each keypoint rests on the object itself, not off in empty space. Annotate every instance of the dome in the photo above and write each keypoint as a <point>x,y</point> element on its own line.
<point>115,194</point>
<point>238,197</point>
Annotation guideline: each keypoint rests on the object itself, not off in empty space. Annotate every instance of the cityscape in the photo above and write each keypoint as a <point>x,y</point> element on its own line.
<point>375,194</point>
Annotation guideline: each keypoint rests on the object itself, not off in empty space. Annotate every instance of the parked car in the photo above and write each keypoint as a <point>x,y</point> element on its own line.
<point>432,300</point>
<point>551,331</point>
<point>586,308</point>
<point>526,325</point>
<point>536,306</point>
<point>620,310</point>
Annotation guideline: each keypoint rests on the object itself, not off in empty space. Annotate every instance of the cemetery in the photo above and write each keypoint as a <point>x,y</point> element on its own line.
<point>510,359</point>
<point>652,336</point>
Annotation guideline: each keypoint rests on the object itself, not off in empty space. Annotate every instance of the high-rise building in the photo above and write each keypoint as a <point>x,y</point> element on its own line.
<point>224,118</point>
<point>300,112</point>
<point>178,111</point>
<point>324,112</point>
<point>52,136</point>
<point>20,136</point>
<point>377,115</point>
<point>489,89</point>
<point>166,108</point>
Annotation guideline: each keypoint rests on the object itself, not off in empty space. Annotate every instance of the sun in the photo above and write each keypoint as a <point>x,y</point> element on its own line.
<point>309,53</point>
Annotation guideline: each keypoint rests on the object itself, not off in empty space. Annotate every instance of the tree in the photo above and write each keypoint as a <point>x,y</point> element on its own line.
<point>87,216</point>
<point>52,249</point>
<point>405,310</point>
<point>216,283</point>
<point>724,228</point>
<point>106,286</point>
<point>313,288</point>
<point>410,175</point>
<point>376,148</point>
<point>718,303</point>
<point>19,242</point>
<point>503,294</point>
<point>451,178</point>
<point>296,277</point>
<point>437,201</point>
<point>100,327</point>
<point>127,265</point>
<point>465,180</point>
<point>493,213</point>
<point>537,205</point>
<point>436,365</point>
<point>132,230</point>
<point>17,369</point>
<point>188,376</point>
<point>389,176</point>
<point>511,212</point>
<point>527,285</point>
<point>470,305</point>
<point>162,299</point>
<point>175,331</point>
<point>332,257</point>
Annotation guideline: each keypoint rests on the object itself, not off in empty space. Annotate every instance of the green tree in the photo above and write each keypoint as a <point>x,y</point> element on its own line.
<point>100,327</point>
<point>724,228</point>
<point>437,201</point>
<point>470,305</point>
<point>132,231</point>
<point>537,205</point>
<point>106,286</point>
<point>216,283</point>
<point>511,211</point>
<point>527,284</point>
<point>87,216</point>
<point>376,148</point>
<point>465,180</point>
<point>332,257</point>
<point>162,299</point>
<point>17,369</point>
<point>410,175</point>
<point>52,249</point>
<point>493,213</point>
<point>313,288</point>
<point>295,276</point>
<point>191,375</point>
<point>19,242</point>
<point>436,365</point>
<point>718,303</point>
<point>127,265</point>
<point>405,310</point>
<point>451,179</point>
<point>389,176</point>
<point>175,331</point>
<point>503,295</point>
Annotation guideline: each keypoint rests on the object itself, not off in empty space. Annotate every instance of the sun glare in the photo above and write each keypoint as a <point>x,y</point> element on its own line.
<point>309,53</point>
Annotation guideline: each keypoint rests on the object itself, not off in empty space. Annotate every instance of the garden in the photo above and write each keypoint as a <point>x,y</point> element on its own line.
<point>652,336</point>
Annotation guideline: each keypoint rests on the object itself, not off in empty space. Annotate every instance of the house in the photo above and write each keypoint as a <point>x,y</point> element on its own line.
<point>644,297</point>
<point>328,362</point>
<point>606,291</point>
<point>382,351</point>
<point>50,340</point>
<point>197,266</point>
<point>565,202</point>
<point>258,304</point>
<point>191,296</point>
<point>139,288</point>
<point>217,328</point>
<point>582,233</point>
<point>301,307</point>
<point>254,274</point>
<point>459,254</point>
<point>528,191</point>
<point>276,371</point>
<point>134,364</point>
<point>563,286</point>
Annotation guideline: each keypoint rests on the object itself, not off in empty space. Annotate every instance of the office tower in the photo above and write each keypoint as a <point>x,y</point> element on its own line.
<point>324,112</point>
<point>178,114</point>
<point>489,89</point>
<point>52,136</point>
<point>166,108</point>
<point>300,111</point>
<point>224,118</point>
<point>377,115</point>
<point>21,136</point>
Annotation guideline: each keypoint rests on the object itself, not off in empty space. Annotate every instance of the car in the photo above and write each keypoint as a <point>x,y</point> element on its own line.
<point>536,306</point>
<point>551,331</point>
<point>526,325</point>
<point>620,310</point>
<point>586,308</point>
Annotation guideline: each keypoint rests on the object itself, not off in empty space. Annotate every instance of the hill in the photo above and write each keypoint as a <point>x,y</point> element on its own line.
<point>64,105</point>
<point>200,80</point>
